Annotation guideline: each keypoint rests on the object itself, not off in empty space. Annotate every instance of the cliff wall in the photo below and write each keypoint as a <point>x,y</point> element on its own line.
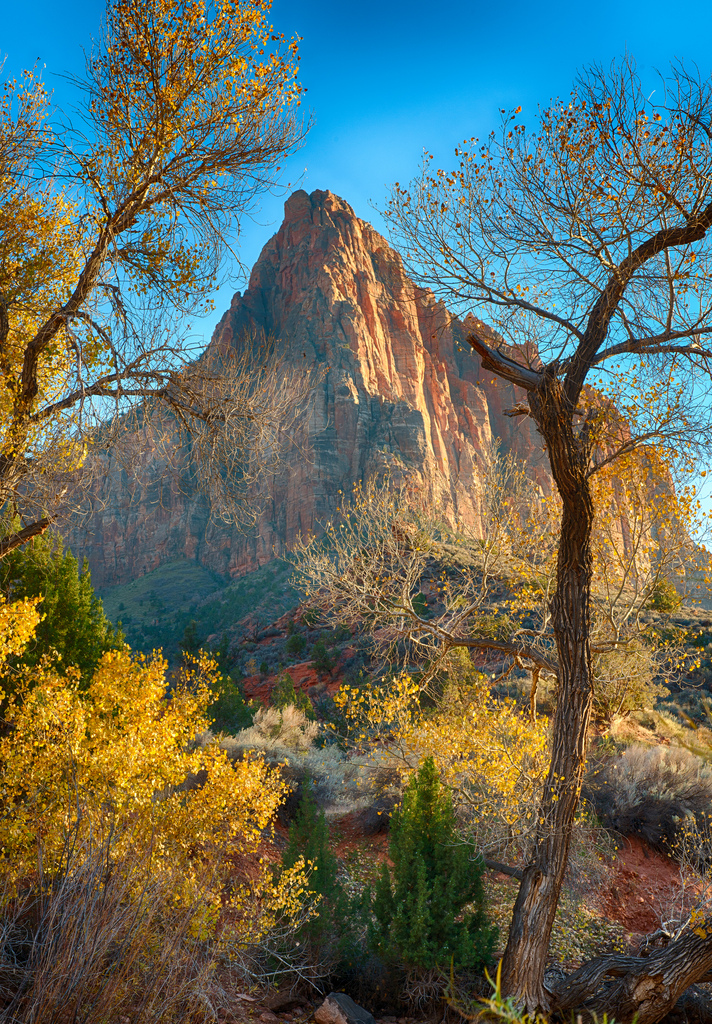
<point>402,389</point>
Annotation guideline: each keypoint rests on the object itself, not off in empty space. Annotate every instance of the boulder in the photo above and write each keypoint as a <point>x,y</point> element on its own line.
<point>338,1008</point>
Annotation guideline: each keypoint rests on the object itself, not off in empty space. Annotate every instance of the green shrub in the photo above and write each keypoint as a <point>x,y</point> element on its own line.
<point>230,711</point>
<point>74,624</point>
<point>295,645</point>
<point>223,655</point>
<point>665,597</point>
<point>498,626</point>
<point>419,915</point>
<point>284,694</point>
<point>624,681</point>
<point>309,838</point>
<point>190,644</point>
<point>321,659</point>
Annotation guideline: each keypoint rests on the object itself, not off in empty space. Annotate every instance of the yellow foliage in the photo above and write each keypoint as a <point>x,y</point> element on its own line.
<point>642,532</point>
<point>41,243</point>
<point>184,114</point>
<point>485,749</point>
<point>119,763</point>
<point>18,621</point>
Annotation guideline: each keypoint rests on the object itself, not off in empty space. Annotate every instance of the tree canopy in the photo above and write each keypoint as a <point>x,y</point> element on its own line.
<point>585,242</point>
<point>113,226</point>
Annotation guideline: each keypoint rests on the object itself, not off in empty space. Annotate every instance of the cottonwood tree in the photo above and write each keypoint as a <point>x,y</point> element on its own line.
<point>113,227</point>
<point>587,242</point>
<point>423,593</point>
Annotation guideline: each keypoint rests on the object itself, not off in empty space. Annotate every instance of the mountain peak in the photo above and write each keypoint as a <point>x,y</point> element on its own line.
<point>403,390</point>
<point>303,205</point>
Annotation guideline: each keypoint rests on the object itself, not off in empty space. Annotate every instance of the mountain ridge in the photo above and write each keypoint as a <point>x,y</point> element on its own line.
<point>401,389</point>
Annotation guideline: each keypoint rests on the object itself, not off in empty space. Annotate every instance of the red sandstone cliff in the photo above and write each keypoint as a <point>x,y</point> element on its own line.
<point>401,387</point>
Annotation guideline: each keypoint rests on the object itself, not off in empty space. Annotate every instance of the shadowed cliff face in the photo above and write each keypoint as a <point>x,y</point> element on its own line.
<point>402,390</point>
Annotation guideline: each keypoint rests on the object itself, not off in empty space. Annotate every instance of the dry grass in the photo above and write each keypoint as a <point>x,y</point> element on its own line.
<point>650,792</point>
<point>102,942</point>
<point>275,730</point>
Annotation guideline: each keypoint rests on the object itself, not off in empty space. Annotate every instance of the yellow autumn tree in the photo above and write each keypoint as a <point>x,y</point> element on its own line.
<point>113,230</point>
<point>491,756</point>
<point>113,816</point>
<point>118,759</point>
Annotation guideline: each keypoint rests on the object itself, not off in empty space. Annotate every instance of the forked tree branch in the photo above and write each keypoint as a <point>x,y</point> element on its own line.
<point>503,366</point>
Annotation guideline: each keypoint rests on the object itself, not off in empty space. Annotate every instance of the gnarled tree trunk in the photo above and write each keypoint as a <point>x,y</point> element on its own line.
<point>535,908</point>
<point>626,988</point>
<point>645,989</point>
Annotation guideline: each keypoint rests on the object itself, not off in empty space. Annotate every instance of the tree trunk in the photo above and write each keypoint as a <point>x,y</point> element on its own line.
<point>536,672</point>
<point>645,989</point>
<point>627,988</point>
<point>533,918</point>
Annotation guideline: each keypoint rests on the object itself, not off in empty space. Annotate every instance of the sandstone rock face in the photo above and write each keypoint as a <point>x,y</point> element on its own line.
<point>402,390</point>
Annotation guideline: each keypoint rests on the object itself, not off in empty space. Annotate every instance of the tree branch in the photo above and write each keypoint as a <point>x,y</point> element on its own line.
<point>503,366</point>
<point>22,536</point>
<point>607,303</point>
<point>505,869</point>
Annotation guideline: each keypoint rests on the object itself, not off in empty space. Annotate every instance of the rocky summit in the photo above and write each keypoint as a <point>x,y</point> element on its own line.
<point>401,389</point>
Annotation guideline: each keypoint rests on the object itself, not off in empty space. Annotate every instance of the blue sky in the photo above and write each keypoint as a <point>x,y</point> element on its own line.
<point>387,78</point>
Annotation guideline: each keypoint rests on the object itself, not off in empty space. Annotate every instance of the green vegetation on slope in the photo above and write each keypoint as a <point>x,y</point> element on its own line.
<point>156,609</point>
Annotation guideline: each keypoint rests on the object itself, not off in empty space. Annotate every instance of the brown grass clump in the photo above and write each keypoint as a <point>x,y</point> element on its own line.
<point>650,792</point>
<point>102,941</point>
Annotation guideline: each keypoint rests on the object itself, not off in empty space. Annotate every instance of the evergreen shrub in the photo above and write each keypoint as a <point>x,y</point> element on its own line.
<point>295,645</point>
<point>321,659</point>
<point>428,912</point>
<point>665,597</point>
<point>73,625</point>
<point>309,839</point>
<point>285,694</point>
<point>230,711</point>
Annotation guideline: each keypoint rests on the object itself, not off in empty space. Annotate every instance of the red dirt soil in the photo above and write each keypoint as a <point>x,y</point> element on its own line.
<point>641,888</point>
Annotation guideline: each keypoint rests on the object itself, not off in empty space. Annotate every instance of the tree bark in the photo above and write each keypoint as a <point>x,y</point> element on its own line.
<point>645,989</point>
<point>533,918</point>
<point>536,672</point>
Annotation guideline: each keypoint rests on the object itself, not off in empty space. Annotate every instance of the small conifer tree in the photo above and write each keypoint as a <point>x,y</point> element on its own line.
<point>230,711</point>
<point>74,626</point>
<point>309,838</point>
<point>295,645</point>
<point>190,644</point>
<point>418,914</point>
<point>321,659</point>
<point>285,693</point>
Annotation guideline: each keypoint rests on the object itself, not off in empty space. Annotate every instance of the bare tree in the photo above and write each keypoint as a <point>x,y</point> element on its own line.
<point>587,242</point>
<point>220,426</point>
<point>425,586</point>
